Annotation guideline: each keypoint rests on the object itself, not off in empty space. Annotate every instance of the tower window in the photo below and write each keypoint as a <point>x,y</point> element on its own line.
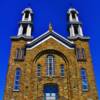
<point>84,80</point>
<point>27,14</point>
<point>83,53</point>
<point>73,15</point>
<point>17,53</point>
<point>17,79</point>
<point>38,70</point>
<point>50,65</point>
<point>62,70</point>
<point>24,29</point>
<point>80,53</point>
<point>20,53</point>
<point>76,29</point>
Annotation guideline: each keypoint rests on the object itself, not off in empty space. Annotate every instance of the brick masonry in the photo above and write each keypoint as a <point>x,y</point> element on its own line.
<point>70,86</point>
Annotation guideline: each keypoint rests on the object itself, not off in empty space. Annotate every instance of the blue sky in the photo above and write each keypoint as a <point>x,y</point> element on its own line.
<point>46,11</point>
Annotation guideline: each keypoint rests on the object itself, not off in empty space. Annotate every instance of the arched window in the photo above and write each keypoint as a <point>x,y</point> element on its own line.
<point>24,29</point>
<point>38,70</point>
<point>27,14</point>
<point>50,65</point>
<point>76,29</point>
<point>73,14</point>
<point>62,70</point>
<point>84,80</point>
<point>17,79</point>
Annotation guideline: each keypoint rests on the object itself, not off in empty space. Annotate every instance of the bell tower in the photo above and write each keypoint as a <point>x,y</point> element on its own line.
<point>75,26</point>
<point>25,27</point>
<point>83,57</point>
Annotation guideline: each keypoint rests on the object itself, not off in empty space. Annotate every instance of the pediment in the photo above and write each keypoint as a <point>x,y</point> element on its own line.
<point>47,35</point>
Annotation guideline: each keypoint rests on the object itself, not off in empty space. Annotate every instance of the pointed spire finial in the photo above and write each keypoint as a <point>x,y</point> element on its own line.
<point>50,27</point>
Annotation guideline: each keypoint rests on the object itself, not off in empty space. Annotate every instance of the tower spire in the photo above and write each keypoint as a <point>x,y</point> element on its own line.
<point>75,27</point>
<point>25,28</point>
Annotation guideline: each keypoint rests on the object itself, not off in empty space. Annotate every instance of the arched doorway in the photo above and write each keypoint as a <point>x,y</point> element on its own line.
<point>51,92</point>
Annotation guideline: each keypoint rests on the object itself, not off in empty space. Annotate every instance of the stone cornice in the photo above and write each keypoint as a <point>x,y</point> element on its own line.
<point>22,37</point>
<point>83,38</point>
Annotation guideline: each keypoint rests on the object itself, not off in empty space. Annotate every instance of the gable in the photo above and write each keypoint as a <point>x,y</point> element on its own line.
<point>44,37</point>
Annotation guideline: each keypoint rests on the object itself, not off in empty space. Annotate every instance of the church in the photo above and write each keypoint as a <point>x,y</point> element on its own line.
<point>50,66</point>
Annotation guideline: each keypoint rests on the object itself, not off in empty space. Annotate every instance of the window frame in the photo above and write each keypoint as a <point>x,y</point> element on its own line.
<point>17,53</point>
<point>38,70</point>
<point>83,53</point>
<point>50,70</point>
<point>17,79</point>
<point>62,70</point>
<point>20,54</point>
<point>84,80</point>
<point>80,54</point>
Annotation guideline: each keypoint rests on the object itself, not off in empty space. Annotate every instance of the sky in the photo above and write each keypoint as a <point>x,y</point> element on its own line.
<point>46,11</point>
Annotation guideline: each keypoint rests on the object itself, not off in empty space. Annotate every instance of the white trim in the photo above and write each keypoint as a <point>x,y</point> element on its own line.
<point>20,30</point>
<point>80,30</point>
<point>63,37</point>
<point>70,17</point>
<point>37,37</point>
<point>46,40</point>
<point>72,31</point>
<point>77,20</point>
<point>23,17</point>
<point>72,9</point>
<point>30,17</point>
<point>28,33</point>
<point>46,33</point>
<point>27,9</point>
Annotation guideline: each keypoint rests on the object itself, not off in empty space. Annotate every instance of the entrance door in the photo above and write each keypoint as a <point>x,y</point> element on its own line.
<point>50,96</point>
<point>50,92</point>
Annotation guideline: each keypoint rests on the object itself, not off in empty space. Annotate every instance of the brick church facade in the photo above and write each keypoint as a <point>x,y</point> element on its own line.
<point>50,67</point>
